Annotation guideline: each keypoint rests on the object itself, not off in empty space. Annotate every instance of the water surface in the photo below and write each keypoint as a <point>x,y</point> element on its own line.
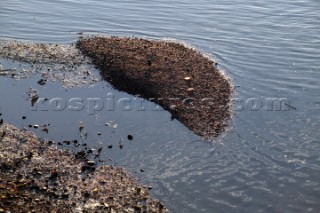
<point>268,160</point>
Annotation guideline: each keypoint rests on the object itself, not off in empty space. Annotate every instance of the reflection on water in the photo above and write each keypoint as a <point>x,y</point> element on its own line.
<point>267,161</point>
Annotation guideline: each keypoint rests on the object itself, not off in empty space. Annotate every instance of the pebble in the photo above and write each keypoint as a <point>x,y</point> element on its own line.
<point>190,89</point>
<point>90,162</point>
<point>173,106</point>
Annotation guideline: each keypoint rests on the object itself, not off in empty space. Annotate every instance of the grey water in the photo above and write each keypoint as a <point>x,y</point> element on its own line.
<point>269,158</point>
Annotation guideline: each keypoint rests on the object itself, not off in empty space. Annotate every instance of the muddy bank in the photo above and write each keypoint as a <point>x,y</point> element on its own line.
<point>38,177</point>
<point>180,79</point>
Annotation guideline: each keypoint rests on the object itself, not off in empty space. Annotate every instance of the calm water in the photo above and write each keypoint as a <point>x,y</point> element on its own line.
<point>268,160</point>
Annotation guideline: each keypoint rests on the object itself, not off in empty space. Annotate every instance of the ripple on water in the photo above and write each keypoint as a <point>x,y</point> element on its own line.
<point>270,49</point>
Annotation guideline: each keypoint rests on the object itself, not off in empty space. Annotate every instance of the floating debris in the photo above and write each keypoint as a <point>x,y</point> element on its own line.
<point>120,145</point>
<point>130,137</point>
<point>42,81</point>
<point>148,68</point>
<point>7,71</point>
<point>58,62</point>
<point>84,135</point>
<point>38,177</point>
<point>4,73</point>
<point>46,130</point>
<point>112,124</point>
<point>81,126</point>
<point>32,94</point>
<point>34,100</point>
<point>99,150</point>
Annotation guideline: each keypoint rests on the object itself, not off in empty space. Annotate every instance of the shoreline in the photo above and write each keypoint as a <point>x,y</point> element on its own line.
<point>36,176</point>
<point>188,83</point>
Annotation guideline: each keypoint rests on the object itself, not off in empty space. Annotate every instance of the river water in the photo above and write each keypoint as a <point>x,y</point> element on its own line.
<point>267,161</point>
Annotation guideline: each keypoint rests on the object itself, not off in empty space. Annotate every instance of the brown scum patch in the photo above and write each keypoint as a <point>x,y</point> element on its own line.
<point>37,177</point>
<point>54,62</point>
<point>180,79</point>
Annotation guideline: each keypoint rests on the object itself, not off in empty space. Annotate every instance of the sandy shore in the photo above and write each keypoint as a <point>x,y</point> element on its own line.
<point>38,177</point>
<point>180,79</point>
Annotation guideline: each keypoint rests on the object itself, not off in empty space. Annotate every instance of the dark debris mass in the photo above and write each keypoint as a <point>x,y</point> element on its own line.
<point>180,79</point>
<point>35,176</point>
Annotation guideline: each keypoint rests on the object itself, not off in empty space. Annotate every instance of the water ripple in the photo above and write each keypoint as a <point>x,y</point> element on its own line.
<point>268,160</point>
